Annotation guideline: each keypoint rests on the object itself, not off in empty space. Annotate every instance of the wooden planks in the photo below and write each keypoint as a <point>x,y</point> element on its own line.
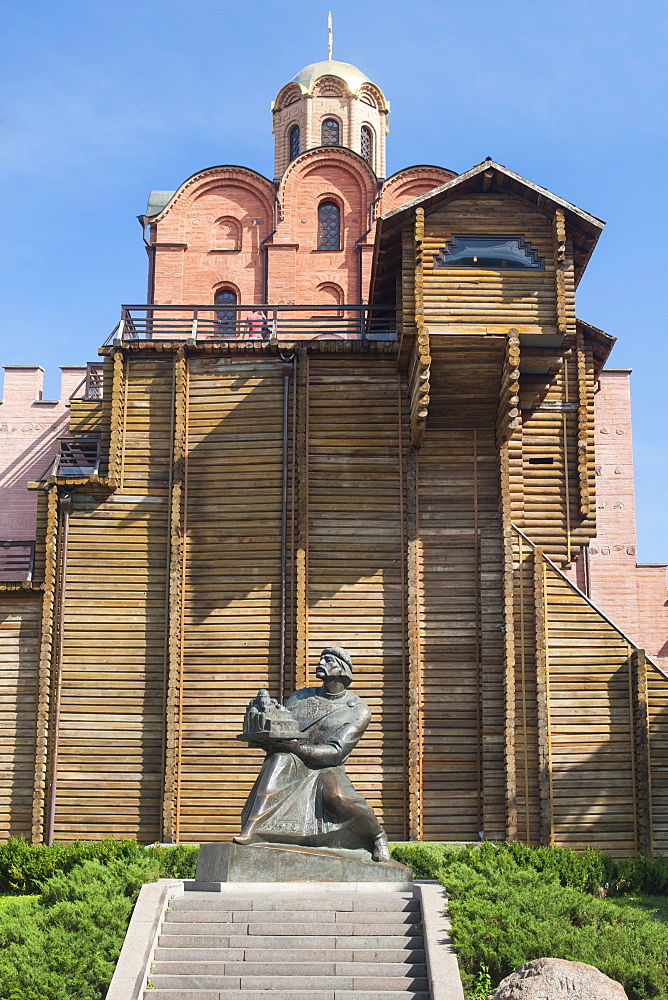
<point>231,614</point>
<point>461,647</point>
<point>356,589</point>
<point>112,711</point>
<point>19,664</point>
<point>657,713</point>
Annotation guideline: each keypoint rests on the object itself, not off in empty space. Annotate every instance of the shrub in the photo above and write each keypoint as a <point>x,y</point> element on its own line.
<point>64,945</point>
<point>24,867</point>
<point>510,903</point>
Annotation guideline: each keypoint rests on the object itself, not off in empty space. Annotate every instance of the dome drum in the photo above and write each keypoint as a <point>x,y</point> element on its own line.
<point>324,92</point>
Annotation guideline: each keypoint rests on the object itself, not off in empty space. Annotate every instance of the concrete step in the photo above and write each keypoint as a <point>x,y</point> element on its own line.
<point>268,916</point>
<point>297,946</point>
<point>203,938</point>
<point>359,902</point>
<point>400,970</point>
<point>178,953</point>
<point>283,929</point>
<point>294,983</point>
<point>285,995</point>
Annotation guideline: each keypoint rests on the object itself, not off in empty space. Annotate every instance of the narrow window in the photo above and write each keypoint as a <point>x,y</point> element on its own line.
<point>226,318</point>
<point>329,133</point>
<point>329,226</point>
<point>294,141</point>
<point>366,144</point>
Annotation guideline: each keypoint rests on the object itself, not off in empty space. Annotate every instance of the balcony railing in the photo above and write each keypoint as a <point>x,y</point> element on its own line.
<point>91,383</point>
<point>16,561</point>
<point>274,323</point>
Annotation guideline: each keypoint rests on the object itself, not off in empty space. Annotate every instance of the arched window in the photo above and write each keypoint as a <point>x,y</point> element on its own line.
<point>329,133</point>
<point>294,141</point>
<point>366,144</point>
<point>226,318</point>
<point>329,226</point>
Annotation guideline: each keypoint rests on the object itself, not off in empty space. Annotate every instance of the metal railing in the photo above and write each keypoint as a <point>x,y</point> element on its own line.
<point>17,560</point>
<point>275,323</point>
<point>91,383</point>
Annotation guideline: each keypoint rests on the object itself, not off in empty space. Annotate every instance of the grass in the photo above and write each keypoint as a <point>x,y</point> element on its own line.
<point>654,906</point>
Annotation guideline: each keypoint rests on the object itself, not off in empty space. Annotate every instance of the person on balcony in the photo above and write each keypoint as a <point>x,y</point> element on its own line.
<point>255,320</point>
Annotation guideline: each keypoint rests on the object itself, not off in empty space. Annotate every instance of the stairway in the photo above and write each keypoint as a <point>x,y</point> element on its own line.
<point>305,944</point>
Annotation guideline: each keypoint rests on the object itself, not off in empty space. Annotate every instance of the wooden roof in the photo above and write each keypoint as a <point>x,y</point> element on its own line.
<point>602,343</point>
<point>486,176</point>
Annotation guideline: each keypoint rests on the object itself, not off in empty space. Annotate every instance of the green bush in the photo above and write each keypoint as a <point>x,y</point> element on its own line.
<point>64,944</point>
<point>24,867</point>
<point>509,904</point>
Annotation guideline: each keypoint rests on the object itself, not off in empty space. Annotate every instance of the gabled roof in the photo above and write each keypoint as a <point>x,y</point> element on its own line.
<point>491,176</point>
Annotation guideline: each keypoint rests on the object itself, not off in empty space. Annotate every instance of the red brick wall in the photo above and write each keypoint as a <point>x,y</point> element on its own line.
<point>29,426</point>
<point>633,596</point>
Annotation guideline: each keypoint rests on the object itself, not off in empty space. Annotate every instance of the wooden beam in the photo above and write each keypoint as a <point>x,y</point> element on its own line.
<point>415,734</point>
<point>543,701</point>
<point>301,610</point>
<point>641,752</point>
<point>174,685</point>
<point>44,670</point>
<point>117,422</point>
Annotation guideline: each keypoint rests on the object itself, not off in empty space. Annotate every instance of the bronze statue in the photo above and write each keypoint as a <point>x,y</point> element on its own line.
<point>303,794</point>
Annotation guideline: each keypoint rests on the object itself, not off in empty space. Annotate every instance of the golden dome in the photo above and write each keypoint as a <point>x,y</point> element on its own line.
<point>351,76</point>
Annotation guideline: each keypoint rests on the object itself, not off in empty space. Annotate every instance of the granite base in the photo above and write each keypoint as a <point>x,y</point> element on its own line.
<point>287,863</point>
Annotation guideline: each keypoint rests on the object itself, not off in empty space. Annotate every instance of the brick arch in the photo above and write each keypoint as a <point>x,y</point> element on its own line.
<point>290,94</point>
<point>218,178</point>
<point>227,234</point>
<point>329,86</point>
<point>330,293</point>
<point>372,96</point>
<point>410,183</point>
<point>193,260</point>
<point>334,170</point>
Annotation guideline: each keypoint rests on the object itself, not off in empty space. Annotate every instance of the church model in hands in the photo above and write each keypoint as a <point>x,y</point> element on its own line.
<point>265,717</point>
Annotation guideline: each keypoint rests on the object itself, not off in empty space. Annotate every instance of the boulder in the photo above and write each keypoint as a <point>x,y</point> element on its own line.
<point>554,979</point>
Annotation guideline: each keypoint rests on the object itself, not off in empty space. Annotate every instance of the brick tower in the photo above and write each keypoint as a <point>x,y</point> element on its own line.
<point>330,104</point>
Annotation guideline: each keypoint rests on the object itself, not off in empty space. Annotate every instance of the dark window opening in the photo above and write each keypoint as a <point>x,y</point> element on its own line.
<point>541,461</point>
<point>226,319</point>
<point>329,133</point>
<point>366,144</point>
<point>78,456</point>
<point>294,141</point>
<point>16,561</point>
<point>329,226</point>
<point>497,253</point>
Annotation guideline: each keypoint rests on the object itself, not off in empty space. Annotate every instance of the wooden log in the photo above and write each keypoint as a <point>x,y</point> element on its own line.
<point>641,747</point>
<point>44,670</point>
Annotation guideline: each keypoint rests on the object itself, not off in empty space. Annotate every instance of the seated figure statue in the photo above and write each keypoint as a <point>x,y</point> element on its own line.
<point>303,794</point>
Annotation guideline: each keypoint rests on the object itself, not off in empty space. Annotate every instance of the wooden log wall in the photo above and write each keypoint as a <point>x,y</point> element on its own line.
<point>595,733</point>
<point>111,746</point>
<point>557,488</point>
<point>657,713</point>
<point>231,584</point>
<point>456,295</point>
<point>358,433</point>
<point>19,665</point>
<point>461,646</point>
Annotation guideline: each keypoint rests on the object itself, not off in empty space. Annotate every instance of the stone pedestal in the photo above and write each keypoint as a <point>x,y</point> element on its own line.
<point>286,863</point>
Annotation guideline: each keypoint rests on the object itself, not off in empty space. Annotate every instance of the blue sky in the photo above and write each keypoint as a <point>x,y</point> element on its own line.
<point>100,102</point>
